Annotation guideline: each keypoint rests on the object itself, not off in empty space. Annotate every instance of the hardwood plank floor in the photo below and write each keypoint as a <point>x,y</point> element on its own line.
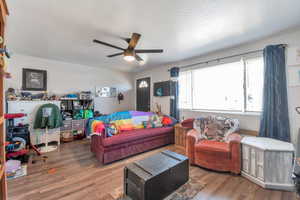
<point>78,176</point>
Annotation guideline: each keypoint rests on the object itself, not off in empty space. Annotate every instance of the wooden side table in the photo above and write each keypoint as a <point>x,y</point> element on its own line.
<point>180,136</point>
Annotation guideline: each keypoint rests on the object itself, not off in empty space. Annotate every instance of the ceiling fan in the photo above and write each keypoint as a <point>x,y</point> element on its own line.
<point>130,53</point>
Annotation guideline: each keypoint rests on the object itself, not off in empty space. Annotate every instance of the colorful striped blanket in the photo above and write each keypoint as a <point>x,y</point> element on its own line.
<point>119,119</point>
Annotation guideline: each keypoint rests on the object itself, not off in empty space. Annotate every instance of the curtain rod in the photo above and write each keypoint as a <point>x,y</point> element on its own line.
<point>226,57</point>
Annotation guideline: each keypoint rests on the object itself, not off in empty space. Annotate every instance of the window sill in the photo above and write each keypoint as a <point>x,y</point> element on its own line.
<point>223,112</point>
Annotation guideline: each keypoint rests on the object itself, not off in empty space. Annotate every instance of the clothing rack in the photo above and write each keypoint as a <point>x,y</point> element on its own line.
<point>226,57</point>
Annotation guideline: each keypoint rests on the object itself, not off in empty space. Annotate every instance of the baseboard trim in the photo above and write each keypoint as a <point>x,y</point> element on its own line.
<point>268,185</point>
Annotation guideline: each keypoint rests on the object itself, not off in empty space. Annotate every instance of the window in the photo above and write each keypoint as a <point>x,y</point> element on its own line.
<point>235,86</point>
<point>185,81</point>
<point>143,84</point>
<point>254,84</point>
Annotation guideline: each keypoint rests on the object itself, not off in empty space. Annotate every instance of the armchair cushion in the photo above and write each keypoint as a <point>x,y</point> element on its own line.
<point>214,148</point>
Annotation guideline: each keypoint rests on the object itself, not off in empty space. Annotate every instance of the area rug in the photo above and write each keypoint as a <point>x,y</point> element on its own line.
<point>186,192</point>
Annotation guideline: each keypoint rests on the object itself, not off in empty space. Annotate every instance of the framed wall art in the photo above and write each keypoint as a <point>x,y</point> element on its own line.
<point>34,79</point>
<point>106,92</point>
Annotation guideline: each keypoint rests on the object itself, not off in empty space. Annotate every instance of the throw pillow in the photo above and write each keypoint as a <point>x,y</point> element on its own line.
<point>155,121</point>
<point>111,130</point>
<point>168,121</point>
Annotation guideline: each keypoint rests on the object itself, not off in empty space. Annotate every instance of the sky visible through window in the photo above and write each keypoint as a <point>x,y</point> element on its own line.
<point>235,86</point>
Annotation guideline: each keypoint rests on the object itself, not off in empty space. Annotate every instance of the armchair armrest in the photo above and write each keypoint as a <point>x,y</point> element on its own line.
<point>193,136</point>
<point>188,123</point>
<point>234,140</point>
<point>192,139</point>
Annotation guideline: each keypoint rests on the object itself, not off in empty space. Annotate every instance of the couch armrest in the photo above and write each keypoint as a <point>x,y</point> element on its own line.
<point>191,140</point>
<point>96,141</point>
<point>234,140</point>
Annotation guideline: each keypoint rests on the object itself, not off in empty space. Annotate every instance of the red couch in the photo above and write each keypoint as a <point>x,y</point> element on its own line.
<point>130,143</point>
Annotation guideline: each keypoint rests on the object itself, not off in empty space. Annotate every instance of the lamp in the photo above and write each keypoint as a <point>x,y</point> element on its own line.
<point>129,55</point>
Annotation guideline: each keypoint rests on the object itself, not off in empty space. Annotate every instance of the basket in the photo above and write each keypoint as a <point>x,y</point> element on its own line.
<point>66,136</point>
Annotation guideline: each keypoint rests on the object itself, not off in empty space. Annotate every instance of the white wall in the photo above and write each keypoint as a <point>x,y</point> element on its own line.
<point>250,122</point>
<point>66,78</point>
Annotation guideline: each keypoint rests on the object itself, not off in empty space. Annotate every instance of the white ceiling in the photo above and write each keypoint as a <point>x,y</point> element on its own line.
<point>64,29</point>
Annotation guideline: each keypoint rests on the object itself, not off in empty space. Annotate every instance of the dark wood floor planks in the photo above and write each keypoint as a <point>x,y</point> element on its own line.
<point>78,176</point>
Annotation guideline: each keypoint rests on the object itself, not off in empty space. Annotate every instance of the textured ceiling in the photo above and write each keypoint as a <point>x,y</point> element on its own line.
<point>64,29</point>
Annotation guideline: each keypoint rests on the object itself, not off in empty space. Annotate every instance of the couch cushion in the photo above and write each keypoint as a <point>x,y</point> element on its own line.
<point>213,147</point>
<point>137,134</point>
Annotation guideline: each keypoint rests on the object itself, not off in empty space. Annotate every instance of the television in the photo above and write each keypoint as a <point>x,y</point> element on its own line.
<point>164,88</point>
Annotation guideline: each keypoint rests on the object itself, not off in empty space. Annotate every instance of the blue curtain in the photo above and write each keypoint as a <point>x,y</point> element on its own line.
<point>275,116</point>
<point>174,107</point>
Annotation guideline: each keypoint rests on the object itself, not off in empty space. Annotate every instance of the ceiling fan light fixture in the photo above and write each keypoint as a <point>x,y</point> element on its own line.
<point>129,56</point>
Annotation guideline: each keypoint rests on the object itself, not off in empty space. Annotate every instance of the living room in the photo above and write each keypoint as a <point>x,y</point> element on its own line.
<point>150,100</point>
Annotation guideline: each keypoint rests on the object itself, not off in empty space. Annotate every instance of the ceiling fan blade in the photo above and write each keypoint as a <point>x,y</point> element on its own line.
<point>138,58</point>
<point>149,51</point>
<point>116,54</point>
<point>134,40</point>
<point>106,44</point>
<point>126,39</point>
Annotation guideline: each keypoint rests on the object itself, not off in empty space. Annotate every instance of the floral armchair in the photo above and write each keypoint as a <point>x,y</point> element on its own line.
<point>214,144</point>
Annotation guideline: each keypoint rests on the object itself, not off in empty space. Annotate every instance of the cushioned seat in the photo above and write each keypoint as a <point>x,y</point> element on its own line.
<point>133,135</point>
<point>213,147</point>
<point>214,144</point>
<point>130,143</point>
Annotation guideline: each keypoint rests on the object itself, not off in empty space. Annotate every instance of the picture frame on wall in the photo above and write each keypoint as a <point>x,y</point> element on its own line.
<point>106,92</point>
<point>34,79</point>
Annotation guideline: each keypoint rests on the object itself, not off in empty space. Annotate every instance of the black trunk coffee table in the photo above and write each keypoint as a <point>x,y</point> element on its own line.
<point>155,177</point>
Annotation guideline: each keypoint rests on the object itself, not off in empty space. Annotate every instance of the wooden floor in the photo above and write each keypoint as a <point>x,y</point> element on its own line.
<point>77,175</point>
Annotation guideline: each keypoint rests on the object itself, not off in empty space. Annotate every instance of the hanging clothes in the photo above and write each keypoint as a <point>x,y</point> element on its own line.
<point>48,115</point>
